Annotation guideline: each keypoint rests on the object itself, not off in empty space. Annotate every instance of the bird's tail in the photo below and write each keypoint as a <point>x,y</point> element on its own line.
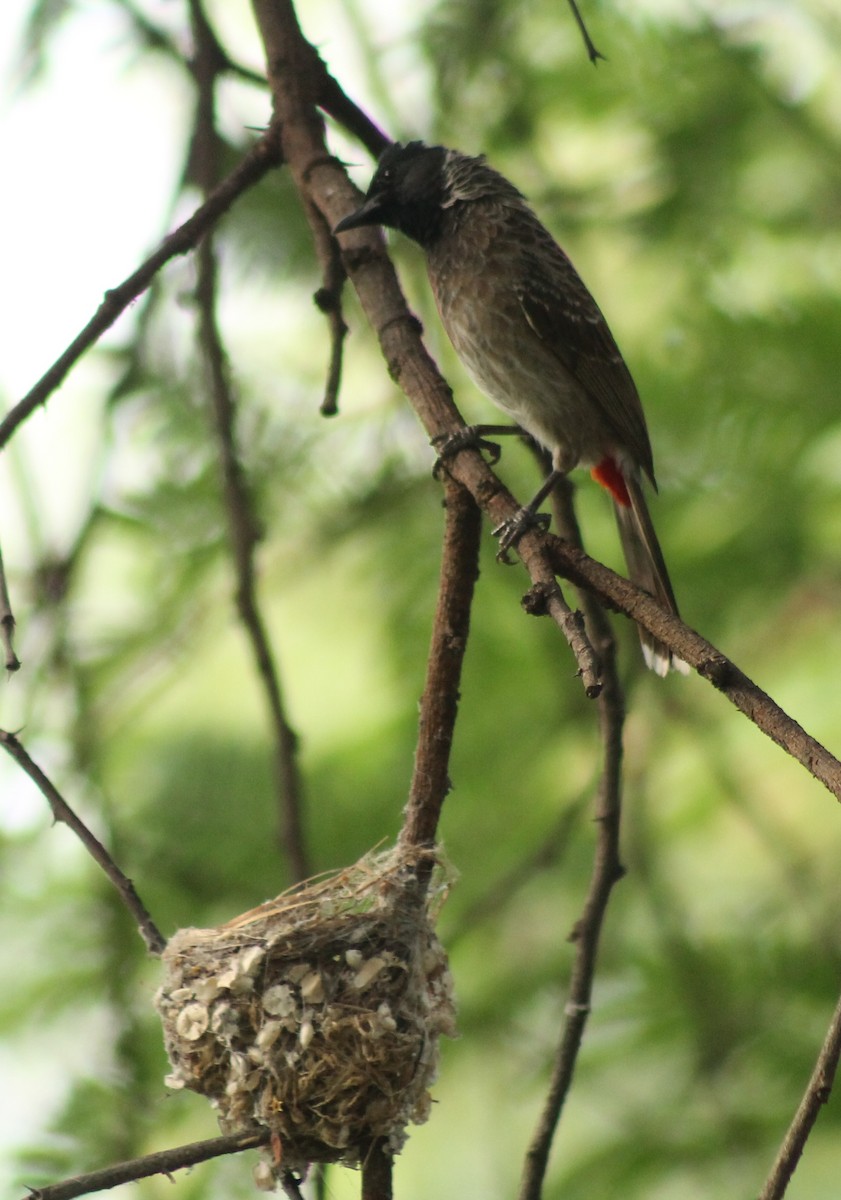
<point>646,569</point>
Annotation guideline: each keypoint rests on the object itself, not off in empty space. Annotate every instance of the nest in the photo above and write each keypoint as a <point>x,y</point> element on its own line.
<point>316,1015</point>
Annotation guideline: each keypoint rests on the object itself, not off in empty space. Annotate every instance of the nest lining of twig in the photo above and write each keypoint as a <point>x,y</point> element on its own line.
<point>316,1015</point>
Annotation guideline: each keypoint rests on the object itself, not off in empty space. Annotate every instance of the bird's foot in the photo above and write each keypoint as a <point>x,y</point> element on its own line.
<point>510,531</point>
<point>470,437</point>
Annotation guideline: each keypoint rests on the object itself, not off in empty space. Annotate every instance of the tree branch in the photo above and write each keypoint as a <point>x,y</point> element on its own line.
<point>377,1172</point>
<point>439,703</point>
<point>607,871</point>
<point>163,1162</point>
<point>620,594</point>
<point>61,810</point>
<point>262,156</point>
<point>243,526</point>
<point>817,1094</point>
<point>332,99</point>
<point>328,300</point>
<point>244,533</point>
<point>592,53</point>
<point>545,598</point>
<point>7,623</point>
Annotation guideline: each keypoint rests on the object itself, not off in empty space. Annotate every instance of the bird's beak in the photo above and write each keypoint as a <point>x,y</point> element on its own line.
<point>368,213</point>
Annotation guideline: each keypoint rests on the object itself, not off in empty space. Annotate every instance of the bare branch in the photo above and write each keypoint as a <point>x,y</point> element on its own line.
<point>607,871</point>
<point>262,156</point>
<point>290,1183</point>
<point>376,1172</point>
<point>439,703</point>
<point>243,526</point>
<point>332,99</point>
<point>328,299</point>
<point>617,593</point>
<point>546,598</point>
<point>817,1094</point>
<point>7,623</point>
<point>244,533</point>
<point>163,1162</point>
<point>592,53</point>
<point>61,810</point>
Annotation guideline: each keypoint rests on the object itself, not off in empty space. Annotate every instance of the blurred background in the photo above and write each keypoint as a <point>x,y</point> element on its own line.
<point>695,179</point>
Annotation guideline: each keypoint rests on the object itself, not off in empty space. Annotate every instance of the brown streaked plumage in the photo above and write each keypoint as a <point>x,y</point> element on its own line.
<point>529,333</point>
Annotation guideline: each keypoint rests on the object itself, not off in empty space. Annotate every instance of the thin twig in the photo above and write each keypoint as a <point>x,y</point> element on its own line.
<point>439,703</point>
<point>546,598</point>
<point>328,300</point>
<point>62,811</point>
<point>290,1184</point>
<point>159,40</point>
<point>334,101</point>
<point>618,593</point>
<point>592,53</point>
<point>163,1162</point>
<point>7,623</point>
<point>816,1095</point>
<point>243,526</point>
<point>607,871</point>
<point>244,533</point>
<point>262,156</point>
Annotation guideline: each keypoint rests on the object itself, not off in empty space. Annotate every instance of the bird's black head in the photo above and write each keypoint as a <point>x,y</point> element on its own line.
<point>407,192</point>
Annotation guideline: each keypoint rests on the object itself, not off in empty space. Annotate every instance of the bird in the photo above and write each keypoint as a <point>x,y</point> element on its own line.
<point>531,336</point>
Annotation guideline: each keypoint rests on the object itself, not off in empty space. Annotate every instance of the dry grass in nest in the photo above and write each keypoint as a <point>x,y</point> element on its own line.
<point>316,1015</point>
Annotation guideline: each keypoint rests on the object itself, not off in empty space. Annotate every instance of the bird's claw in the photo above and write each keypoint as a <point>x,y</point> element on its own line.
<point>468,438</point>
<point>511,530</point>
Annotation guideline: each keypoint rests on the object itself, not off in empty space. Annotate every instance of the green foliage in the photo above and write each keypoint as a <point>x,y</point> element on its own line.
<point>694,179</point>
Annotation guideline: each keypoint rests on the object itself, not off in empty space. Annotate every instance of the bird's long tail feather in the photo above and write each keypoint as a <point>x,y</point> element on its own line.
<point>647,569</point>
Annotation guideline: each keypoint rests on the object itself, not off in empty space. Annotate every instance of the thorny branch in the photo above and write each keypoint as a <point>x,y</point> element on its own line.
<point>243,526</point>
<point>61,810</point>
<point>163,1162</point>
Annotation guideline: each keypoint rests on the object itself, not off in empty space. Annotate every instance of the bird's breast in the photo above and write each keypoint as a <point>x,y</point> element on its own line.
<point>477,294</point>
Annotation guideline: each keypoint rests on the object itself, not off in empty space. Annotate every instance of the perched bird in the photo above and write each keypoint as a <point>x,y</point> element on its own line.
<point>530,335</point>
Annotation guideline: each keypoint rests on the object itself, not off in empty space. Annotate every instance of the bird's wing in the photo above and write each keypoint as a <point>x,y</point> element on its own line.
<point>566,318</point>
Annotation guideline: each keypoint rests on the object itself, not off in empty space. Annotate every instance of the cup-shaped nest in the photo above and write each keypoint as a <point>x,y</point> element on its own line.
<point>316,1015</point>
